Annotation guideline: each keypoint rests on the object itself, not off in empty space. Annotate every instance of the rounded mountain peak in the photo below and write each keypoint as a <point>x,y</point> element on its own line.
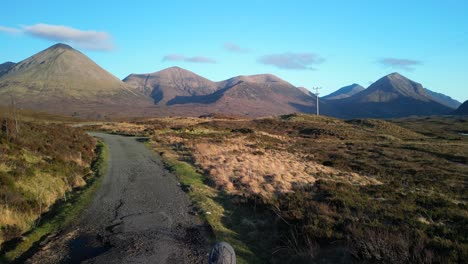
<point>393,86</point>
<point>395,76</point>
<point>258,79</point>
<point>60,46</point>
<point>175,71</point>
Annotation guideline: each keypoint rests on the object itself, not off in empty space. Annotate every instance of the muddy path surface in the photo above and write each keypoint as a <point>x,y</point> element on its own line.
<point>139,215</point>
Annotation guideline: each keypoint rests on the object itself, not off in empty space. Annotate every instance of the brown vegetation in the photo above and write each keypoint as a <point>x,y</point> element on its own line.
<point>379,191</point>
<point>243,166</point>
<point>39,164</point>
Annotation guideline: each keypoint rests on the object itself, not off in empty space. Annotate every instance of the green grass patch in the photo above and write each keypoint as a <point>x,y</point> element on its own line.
<point>65,212</point>
<point>212,207</point>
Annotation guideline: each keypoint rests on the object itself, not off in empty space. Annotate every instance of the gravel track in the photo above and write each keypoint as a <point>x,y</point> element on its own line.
<point>139,215</point>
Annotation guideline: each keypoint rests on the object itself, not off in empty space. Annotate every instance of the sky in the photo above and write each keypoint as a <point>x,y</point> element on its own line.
<point>328,44</point>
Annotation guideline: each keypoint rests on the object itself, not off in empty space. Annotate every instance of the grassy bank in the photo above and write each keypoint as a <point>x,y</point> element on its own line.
<point>63,213</point>
<point>39,165</point>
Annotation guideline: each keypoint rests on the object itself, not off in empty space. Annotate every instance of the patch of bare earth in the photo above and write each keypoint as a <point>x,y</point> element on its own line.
<point>54,248</point>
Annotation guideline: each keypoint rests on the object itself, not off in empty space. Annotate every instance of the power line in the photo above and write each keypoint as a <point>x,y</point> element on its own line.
<point>317,95</point>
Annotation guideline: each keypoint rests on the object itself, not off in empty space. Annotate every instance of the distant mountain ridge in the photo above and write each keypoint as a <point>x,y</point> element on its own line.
<point>261,94</point>
<point>165,85</point>
<point>443,99</point>
<point>462,110</point>
<point>5,67</point>
<point>390,87</point>
<point>345,92</point>
<point>63,80</point>
<point>391,96</point>
<point>351,90</point>
<point>61,66</point>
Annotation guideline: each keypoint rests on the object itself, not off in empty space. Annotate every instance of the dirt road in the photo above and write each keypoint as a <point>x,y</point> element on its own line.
<point>139,215</point>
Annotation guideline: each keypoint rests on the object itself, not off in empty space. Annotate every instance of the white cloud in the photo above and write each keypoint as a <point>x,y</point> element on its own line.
<point>292,61</point>
<point>195,59</point>
<point>85,39</point>
<point>200,59</point>
<point>232,47</point>
<point>174,57</point>
<point>405,64</point>
<point>10,30</point>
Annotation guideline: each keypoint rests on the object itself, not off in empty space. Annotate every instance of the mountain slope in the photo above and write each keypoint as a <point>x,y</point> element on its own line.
<point>443,99</point>
<point>167,84</point>
<point>462,110</point>
<point>5,67</point>
<point>391,96</point>
<point>177,91</point>
<point>391,87</point>
<point>306,91</point>
<point>61,69</point>
<point>62,79</point>
<point>345,92</point>
<point>260,95</point>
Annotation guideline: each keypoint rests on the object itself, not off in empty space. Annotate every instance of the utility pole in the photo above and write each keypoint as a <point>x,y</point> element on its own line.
<point>14,114</point>
<point>317,95</point>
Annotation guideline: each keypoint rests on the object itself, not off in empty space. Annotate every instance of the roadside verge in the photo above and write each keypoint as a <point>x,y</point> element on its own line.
<point>210,205</point>
<point>61,215</point>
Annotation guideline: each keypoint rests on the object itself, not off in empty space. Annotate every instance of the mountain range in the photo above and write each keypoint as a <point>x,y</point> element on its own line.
<point>443,99</point>
<point>391,96</point>
<point>63,80</point>
<point>462,110</point>
<point>254,95</point>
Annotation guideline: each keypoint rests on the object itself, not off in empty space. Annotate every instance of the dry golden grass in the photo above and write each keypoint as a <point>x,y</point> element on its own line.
<point>39,164</point>
<point>322,172</point>
<point>385,129</point>
<point>43,187</point>
<point>4,167</point>
<point>122,127</point>
<point>176,121</point>
<point>10,216</point>
<point>240,166</point>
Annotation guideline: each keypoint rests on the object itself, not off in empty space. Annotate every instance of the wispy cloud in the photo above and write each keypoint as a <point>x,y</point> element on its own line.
<point>232,47</point>
<point>85,39</point>
<point>200,59</point>
<point>404,64</point>
<point>292,61</point>
<point>10,30</point>
<point>174,57</point>
<point>195,59</point>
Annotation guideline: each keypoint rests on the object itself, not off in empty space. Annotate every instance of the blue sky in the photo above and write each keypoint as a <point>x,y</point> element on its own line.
<point>308,43</point>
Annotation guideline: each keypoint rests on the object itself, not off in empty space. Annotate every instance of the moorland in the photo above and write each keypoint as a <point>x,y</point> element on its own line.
<point>301,187</point>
